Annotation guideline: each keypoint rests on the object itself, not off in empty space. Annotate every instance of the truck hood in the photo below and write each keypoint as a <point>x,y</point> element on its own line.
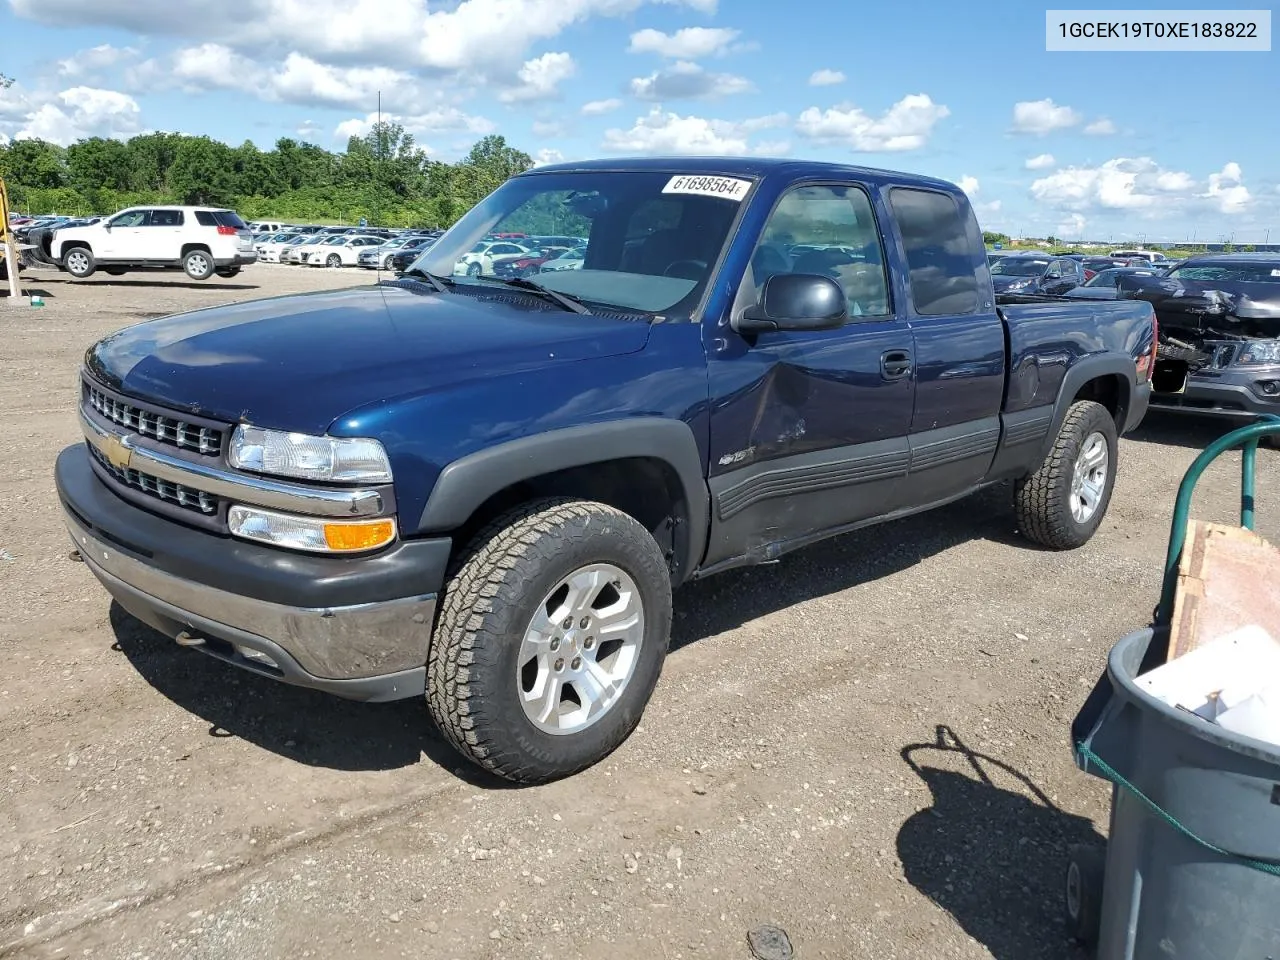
<point>300,362</point>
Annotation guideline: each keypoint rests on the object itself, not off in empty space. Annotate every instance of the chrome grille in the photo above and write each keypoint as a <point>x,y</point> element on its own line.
<point>166,490</point>
<point>180,433</point>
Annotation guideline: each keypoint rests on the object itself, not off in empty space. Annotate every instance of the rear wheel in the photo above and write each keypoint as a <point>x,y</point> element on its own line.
<point>551,637</point>
<point>79,262</point>
<point>1082,893</point>
<point>198,265</point>
<point>1062,504</point>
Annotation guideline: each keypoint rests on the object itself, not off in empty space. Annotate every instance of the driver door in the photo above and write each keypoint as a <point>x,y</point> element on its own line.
<point>809,429</point>
<point>125,239</point>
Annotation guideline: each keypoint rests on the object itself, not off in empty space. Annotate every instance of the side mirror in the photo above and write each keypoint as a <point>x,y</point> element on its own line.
<point>796,301</point>
<point>106,225</point>
<point>1053,276</point>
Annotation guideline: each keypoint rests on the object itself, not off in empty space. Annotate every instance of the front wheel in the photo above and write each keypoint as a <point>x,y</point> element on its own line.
<point>198,265</point>
<point>80,263</point>
<point>334,260</point>
<point>1062,504</point>
<point>473,270</point>
<point>229,272</point>
<point>551,637</point>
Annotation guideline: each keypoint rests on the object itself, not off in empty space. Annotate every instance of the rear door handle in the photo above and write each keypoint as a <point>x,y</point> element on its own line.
<point>895,364</point>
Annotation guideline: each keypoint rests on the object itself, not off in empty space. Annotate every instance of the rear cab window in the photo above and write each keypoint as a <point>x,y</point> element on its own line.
<point>940,243</point>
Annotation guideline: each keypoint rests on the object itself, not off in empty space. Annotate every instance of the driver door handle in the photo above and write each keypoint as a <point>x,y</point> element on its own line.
<point>895,364</point>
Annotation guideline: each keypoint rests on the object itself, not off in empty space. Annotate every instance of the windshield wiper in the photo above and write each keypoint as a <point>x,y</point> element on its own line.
<point>442,284</point>
<point>563,299</point>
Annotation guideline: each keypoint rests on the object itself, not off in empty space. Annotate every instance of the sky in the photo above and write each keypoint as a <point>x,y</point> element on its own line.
<point>1099,145</point>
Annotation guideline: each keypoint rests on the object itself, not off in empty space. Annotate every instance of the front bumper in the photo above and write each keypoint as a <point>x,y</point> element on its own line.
<point>357,627</point>
<point>1231,393</point>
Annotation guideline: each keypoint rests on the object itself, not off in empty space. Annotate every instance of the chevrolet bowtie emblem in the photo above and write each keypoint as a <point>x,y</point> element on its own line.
<point>116,452</point>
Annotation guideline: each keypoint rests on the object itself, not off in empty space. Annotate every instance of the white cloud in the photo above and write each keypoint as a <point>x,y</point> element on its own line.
<point>303,80</point>
<point>101,57</point>
<point>992,207</point>
<point>540,78</point>
<point>825,78</point>
<point>1102,127</point>
<point>1227,189</point>
<point>309,130</point>
<point>968,184</point>
<point>1042,161</point>
<point>1072,226</point>
<point>691,43</point>
<point>904,126</point>
<point>688,81</point>
<point>214,65</point>
<point>597,107</point>
<point>81,112</point>
<point>1042,116</point>
<point>1135,184</point>
<point>547,155</point>
<point>444,120</point>
<point>659,132</point>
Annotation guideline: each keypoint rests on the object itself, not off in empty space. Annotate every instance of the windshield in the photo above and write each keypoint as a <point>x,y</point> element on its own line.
<point>653,238</point>
<point>1017,267</point>
<point>1265,272</point>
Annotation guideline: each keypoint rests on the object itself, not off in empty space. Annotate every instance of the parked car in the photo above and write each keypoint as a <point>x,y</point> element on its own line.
<point>569,260</point>
<point>483,491</point>
<point>405,256</point>
<point>380,257</point>
<point>481,257</point>
<point>270,249</point>
<point>1219,353</point>
<point>1151,256</point>
<point>1032,274</point>
<point>293,252</point>
<point>202,241</point>
<point>339,251</point>
<point>1102,286</point>
<point>527,265</point>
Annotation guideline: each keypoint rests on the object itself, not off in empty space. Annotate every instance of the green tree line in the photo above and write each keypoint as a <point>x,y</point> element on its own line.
<point>383,176</point>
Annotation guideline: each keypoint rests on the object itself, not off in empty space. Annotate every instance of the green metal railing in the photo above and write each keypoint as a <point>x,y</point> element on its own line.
<point>1246,438</point>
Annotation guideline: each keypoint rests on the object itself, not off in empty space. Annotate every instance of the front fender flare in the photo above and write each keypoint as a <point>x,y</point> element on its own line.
<point>469,481</point>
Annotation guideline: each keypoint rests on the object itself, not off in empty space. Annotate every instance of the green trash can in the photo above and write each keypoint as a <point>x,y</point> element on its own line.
<point>1192,863</point>
<point>1191,869</point>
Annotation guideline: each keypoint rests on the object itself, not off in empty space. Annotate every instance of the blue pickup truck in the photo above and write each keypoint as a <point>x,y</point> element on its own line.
<point>482,490</point>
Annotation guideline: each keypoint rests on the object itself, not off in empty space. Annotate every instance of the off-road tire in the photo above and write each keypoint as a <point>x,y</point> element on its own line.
<point>489,600</point>
<point>1042,500</point>
<point>79,262</point>
<point>198,264</point>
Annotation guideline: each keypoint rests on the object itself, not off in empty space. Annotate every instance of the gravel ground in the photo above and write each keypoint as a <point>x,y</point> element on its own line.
<point>866,743</point>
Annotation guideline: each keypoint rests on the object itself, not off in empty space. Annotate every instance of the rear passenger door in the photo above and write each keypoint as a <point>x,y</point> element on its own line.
<point>161,238</point>
<point>959,343</point>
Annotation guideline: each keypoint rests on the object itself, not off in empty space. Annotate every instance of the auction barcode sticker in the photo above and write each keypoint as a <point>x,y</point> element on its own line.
<point>730,188</point>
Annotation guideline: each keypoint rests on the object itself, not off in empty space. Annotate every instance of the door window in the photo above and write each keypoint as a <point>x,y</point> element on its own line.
<point>939,243</point>
<point>165,218</point>
<point>131,218</point>
<point>831,231</point>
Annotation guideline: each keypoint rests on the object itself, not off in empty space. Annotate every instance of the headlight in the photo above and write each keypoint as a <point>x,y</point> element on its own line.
<point>1019,284</point>
<point>1259,352</point>
<point>312,534</point>
<point>335,459</point>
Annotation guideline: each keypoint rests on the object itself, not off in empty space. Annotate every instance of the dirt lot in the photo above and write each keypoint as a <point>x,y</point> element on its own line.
<point>866,743</point>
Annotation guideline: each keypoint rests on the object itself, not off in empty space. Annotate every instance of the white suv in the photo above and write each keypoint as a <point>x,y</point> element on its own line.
<point>199,240</point>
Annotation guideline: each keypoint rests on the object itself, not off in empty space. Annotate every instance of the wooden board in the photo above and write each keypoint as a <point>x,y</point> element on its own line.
<point>1228,578</point>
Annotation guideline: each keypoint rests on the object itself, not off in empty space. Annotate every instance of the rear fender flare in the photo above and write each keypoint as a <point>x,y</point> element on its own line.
<point>464,485</point>
<point>1082,372</point>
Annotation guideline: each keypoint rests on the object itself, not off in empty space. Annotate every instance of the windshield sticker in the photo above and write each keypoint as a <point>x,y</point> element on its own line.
<point>730,188</point>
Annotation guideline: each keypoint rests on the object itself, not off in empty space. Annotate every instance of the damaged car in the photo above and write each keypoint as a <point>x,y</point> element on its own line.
<point>1219,335</point>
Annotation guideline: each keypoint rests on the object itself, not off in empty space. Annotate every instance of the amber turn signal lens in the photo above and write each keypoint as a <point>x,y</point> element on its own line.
<point>358,536</point>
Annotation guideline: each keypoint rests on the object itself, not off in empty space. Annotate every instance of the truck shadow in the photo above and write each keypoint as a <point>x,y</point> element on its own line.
<point>992,854</point>
<point>302,725</point>
<point>322,730</point>
<point>720,603</point>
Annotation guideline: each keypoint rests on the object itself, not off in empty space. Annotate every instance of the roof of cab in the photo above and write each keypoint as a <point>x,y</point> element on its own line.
<point>742,167</point>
